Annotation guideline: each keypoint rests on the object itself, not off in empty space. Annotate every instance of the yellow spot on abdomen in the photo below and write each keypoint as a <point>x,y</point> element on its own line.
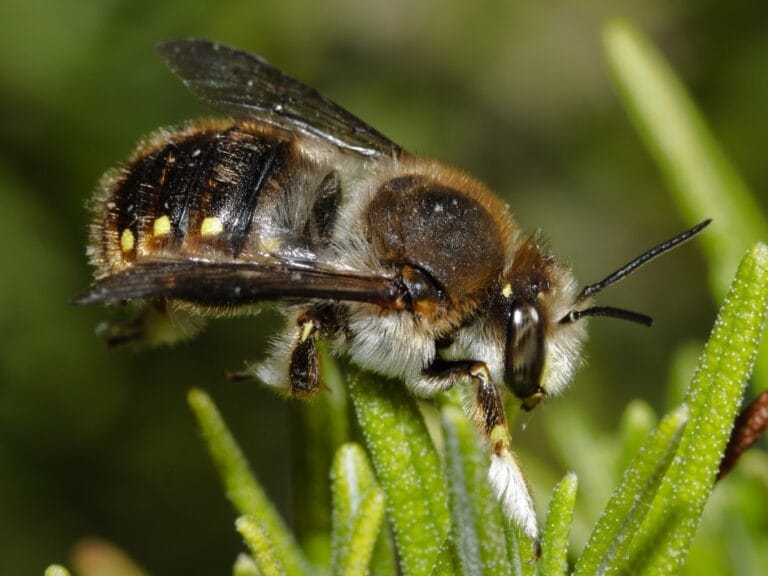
<point>161,226</point>
<point>211,226</point>
<point>507,290</point>
<point>269,245</point>
<point>127,240</point>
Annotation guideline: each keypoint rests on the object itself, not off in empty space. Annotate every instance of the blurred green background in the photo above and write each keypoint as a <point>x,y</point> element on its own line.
<point>100,443</point>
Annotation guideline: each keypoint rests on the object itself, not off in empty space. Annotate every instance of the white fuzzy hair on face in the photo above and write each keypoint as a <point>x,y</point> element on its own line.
<point>564,341</point>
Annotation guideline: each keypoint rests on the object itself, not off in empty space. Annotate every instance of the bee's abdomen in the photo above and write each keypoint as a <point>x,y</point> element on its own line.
<point>193,193</point>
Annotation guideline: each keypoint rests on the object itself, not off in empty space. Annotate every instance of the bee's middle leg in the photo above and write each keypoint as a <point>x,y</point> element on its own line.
<point>304,363</point>
<point>294,364</point>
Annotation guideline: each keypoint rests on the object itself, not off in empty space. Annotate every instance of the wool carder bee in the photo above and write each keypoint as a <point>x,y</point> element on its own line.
<point>403,265</point>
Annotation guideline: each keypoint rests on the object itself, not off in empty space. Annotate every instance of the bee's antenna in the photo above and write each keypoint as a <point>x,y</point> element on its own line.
<point>622,273</point>
<point>644,258</point>
<point>608,311</point>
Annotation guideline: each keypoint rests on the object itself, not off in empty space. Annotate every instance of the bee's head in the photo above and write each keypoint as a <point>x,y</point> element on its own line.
<point>543,316</point>
<point>539,354</point>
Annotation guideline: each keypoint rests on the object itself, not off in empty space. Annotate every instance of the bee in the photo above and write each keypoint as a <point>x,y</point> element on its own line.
<point>405,266</point>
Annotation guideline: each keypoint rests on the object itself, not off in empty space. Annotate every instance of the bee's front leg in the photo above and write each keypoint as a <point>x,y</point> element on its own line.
<point>155,322</point>
<point>440,376</point>
<point>487,410</point>
<point>505,474</point>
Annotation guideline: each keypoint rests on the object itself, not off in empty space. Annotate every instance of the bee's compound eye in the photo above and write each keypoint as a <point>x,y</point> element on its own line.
<point>525,353</point>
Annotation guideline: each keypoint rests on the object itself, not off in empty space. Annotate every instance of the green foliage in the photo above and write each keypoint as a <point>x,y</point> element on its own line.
<point>713,401</point>
<point>613,533</point>
<point>262,546</point>
<point>358,511</point>
<point>408,467</point>
<point>245,566</point>
<point>554,546</point>
<point>261,525</point>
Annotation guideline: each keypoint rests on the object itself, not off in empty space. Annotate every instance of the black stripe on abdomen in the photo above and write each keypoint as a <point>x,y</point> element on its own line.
<point>246,165</point>
<point>267,163</point>
<point>197,155</point>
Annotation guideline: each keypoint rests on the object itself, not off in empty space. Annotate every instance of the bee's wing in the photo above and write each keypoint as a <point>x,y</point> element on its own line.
<point>247,86</point>
<point>230,284</point>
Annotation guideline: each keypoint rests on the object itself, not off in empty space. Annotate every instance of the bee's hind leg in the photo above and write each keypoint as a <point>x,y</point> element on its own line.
<point>294,363</point>
<point>153,323</point>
